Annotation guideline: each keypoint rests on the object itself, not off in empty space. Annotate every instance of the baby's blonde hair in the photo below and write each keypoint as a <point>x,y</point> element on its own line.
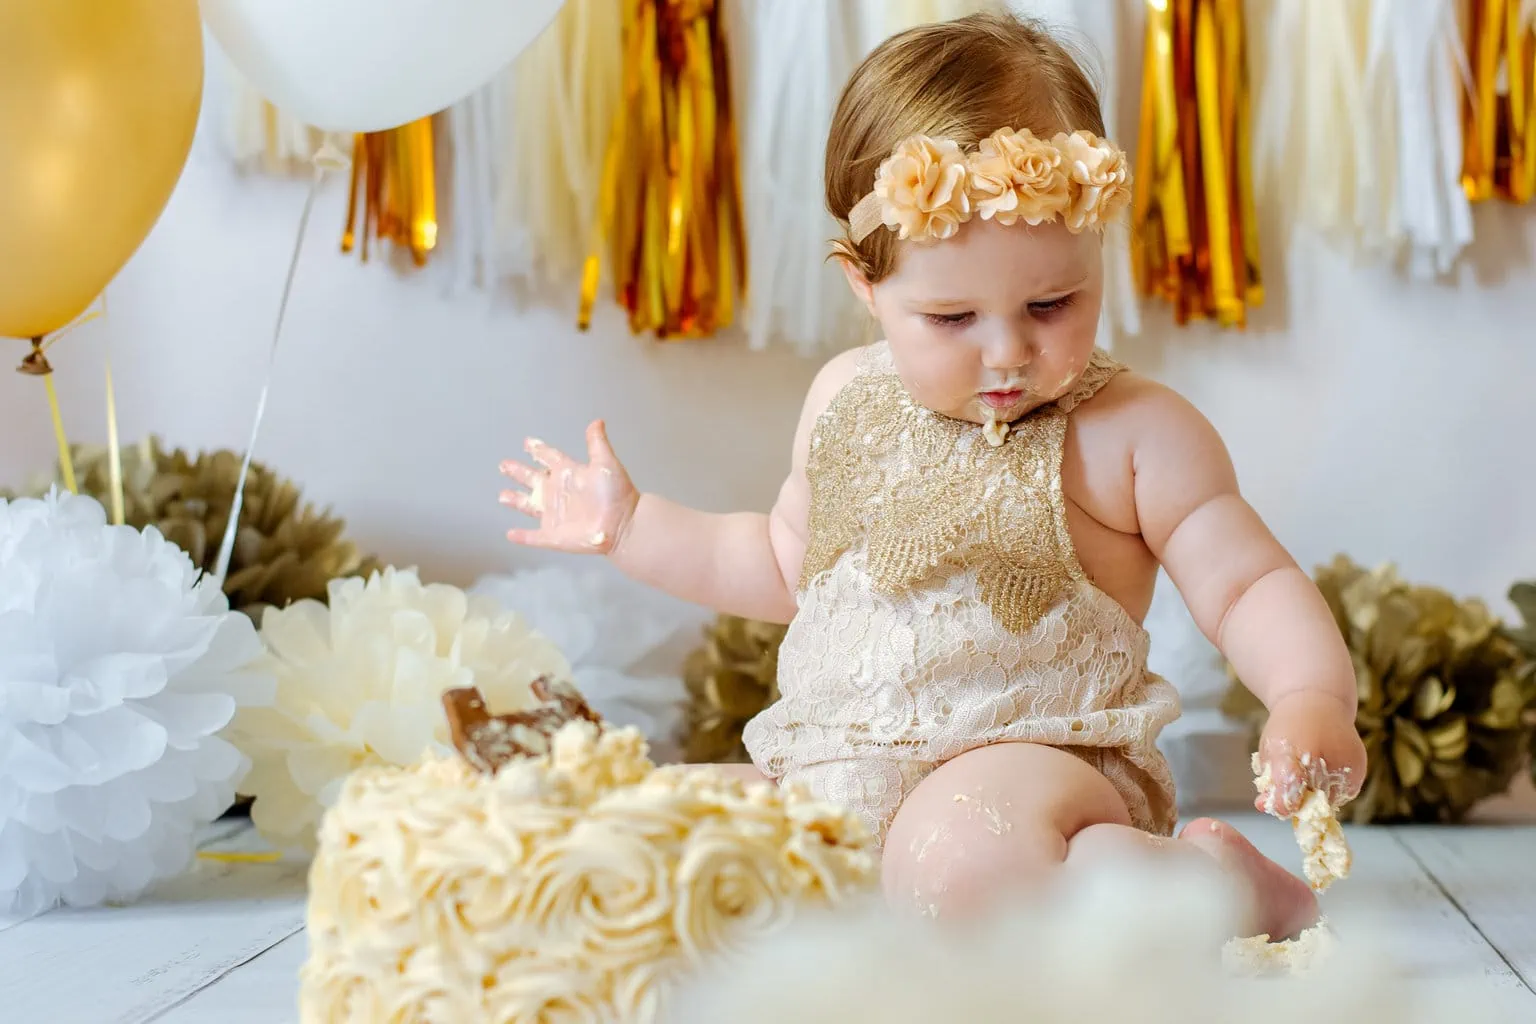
<point>960,80</point>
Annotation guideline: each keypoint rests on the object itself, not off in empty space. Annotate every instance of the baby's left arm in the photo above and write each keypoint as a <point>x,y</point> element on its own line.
<point>1249,597</point>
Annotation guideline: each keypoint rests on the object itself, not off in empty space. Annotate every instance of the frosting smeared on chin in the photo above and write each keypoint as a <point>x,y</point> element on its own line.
<point>995,430</point>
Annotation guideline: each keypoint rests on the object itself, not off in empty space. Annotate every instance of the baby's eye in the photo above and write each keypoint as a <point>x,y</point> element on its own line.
<point>949,319</point>
<point>1052,305</point>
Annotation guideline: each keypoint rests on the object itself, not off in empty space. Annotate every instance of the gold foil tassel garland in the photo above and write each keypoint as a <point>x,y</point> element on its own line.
<point>1195,236</point>
<point>394,182</point>
<point>669,208</point>
<point>1499,116</point>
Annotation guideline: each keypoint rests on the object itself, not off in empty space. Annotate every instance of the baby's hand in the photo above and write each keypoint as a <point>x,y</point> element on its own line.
<point>580,508</point>
<point>1309,743</point>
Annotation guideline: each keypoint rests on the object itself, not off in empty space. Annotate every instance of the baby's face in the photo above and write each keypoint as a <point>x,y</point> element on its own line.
<point>996,317</point>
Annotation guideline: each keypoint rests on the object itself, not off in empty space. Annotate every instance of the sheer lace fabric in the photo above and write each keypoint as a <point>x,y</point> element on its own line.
<point>949,611</point>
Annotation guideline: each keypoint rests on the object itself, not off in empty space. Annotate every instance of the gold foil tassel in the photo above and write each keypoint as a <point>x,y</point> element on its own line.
<point>394,181</point>
<point>670,205</point>
<point>1499,114</point>
<point>1195,237</point>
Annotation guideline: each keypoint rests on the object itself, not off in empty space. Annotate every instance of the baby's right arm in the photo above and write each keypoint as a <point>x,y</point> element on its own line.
<point>742,563</point>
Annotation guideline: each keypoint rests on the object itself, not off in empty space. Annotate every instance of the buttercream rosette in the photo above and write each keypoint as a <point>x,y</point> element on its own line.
<point>579,886</point>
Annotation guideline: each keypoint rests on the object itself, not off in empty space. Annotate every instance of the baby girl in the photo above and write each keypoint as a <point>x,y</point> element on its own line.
<point>976,510</point>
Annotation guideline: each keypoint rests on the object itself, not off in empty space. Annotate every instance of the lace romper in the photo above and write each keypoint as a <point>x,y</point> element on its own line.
<point>942,608</point>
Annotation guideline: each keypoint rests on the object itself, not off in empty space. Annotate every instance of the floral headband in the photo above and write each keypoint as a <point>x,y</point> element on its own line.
<point>927,187</point>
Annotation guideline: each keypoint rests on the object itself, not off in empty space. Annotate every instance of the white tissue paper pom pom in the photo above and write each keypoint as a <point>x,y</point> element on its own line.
<point>626,642</point>
<point>361,682</point>
<point>119,669</point>
<point>1122,941</point>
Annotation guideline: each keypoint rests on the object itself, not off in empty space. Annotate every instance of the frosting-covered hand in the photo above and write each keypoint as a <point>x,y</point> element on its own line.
<point>1309,743</point>
<point>581,507</point>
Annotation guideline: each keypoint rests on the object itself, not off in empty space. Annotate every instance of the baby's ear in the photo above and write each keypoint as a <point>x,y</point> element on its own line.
<point>862,289</point>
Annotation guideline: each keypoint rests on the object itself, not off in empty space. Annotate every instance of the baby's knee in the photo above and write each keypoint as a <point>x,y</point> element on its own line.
<point>946,870</point>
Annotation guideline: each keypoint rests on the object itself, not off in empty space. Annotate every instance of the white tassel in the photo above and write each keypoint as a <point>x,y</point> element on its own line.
<point>469,241</point>
<point>796,56</point>
<point>1415,75</point>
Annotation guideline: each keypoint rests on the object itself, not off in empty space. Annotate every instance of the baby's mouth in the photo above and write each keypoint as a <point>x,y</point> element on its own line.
<point>1002,399</point>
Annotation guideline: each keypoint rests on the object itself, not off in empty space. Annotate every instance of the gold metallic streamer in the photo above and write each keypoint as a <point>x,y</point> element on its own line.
<point>1499,114</point>
<point>1195,234</point>
<point>670,204</point>
<point>394,180</point>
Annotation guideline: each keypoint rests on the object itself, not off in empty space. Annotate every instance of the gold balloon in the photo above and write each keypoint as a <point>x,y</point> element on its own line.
<point>98,105</point>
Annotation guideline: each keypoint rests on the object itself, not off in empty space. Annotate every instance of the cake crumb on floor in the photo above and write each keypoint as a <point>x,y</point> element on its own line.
<point>1257,956</point>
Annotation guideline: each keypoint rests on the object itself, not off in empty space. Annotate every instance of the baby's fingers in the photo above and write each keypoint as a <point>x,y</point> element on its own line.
<point>523,501</point>
<point>523,474</point>
<point>1282,792</point>
<point>544,455</point>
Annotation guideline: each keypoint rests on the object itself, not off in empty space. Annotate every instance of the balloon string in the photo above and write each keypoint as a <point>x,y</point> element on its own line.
<point>114,454</point>
<point>66,463</point>
<point>265,857</point>
<point>328,158</point>
<point>36,365</point>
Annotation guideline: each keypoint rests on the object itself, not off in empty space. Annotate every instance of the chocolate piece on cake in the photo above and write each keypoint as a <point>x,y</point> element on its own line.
<point>489,741</point>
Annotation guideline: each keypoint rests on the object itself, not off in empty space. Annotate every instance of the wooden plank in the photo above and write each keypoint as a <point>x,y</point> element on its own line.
<point>1487,871</point>
<point>261,991</point>
<point>1390,899</point>
<point>129,964</point>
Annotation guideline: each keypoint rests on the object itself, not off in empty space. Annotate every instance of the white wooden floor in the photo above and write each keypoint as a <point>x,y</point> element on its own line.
<point>225,943</point>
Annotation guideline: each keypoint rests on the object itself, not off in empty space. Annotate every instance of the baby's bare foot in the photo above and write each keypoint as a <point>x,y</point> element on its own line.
<point>1282,902</point>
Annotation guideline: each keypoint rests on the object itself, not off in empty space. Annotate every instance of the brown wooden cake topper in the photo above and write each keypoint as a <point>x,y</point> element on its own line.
<point>489,741</point>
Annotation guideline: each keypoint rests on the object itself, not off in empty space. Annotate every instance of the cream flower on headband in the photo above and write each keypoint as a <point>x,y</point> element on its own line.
<point>928,187</point>
<point>1015,176</point>
<point>1098,171</point>
<point>922,188</point>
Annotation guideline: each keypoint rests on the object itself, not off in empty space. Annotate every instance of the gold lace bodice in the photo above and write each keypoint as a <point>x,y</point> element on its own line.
<point>924,490</point>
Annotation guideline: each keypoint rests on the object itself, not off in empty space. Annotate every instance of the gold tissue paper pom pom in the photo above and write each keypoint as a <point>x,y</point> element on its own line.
<point>284,551</point>
<point>1523,597</point>
<point>730,678</point>
<point>1446,695</point>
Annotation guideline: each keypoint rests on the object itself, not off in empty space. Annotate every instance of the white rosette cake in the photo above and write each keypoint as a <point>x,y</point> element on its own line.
<point>578,885</point>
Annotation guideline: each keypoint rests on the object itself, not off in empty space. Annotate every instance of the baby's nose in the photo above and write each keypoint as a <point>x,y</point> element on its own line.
<point>1009,349</point>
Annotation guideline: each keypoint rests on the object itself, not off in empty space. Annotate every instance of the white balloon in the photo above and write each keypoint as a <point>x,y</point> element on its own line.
<point>369,65</point>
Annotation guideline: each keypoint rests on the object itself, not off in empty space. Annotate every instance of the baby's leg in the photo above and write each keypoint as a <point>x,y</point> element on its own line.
<point>1009,816</point>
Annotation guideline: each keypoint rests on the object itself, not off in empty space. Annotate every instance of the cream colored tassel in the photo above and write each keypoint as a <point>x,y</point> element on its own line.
<point>561,95</point>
